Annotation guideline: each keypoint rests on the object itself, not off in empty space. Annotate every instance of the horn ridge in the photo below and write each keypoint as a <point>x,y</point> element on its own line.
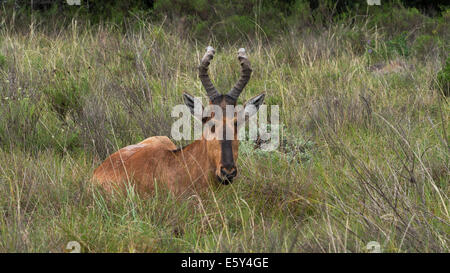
<point>211,91</point>
<point>246,72</point>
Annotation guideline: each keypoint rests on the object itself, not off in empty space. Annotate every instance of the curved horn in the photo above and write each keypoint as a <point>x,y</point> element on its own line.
<point>203,74</point>
<point>246,71</point>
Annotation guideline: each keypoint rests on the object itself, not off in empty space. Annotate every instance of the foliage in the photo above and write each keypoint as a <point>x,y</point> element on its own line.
<point>443,78</point>
<point>29,125</point>
<point>2,62</point>
<point>363,155</point>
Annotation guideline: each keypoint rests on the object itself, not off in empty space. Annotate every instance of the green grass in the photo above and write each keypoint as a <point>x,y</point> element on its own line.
<point>364,156</point>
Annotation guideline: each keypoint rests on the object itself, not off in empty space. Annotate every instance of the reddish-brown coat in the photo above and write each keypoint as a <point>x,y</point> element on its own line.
<point>156,160</point>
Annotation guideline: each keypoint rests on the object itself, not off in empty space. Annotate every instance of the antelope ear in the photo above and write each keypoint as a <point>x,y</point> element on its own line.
<point>253,104</point>
<point>193,102</point>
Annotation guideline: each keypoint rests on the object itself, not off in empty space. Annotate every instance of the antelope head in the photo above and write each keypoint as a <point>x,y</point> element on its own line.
<point>222,122</point>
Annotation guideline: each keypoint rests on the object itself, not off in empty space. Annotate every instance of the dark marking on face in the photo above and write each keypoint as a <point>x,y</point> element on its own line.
<point>227,154</point>
<point>227,165</point>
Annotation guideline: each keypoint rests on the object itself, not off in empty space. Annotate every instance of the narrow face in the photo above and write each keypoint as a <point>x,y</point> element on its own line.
<point>221,134</point>
<point>222,142</point>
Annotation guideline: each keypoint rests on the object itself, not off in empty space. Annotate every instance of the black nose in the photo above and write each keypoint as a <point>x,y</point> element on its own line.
<point>228,173</point>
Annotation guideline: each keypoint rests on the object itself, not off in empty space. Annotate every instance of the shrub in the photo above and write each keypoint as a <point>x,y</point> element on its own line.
<point>396,20</point>
<point>66,93</point>
<point>226,20</point>
<point>292,148</point>
<point>443,78</point>
<point>398,45</point>
<point>424,46</point>
<point>2,61</point>
<point>356,40</point>
<point>31,126</point>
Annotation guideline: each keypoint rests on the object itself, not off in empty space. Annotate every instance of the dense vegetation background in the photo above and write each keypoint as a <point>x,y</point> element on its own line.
<point>362,92</point>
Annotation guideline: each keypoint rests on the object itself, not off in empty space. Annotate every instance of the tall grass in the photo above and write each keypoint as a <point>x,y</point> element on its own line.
<point>364,156</point>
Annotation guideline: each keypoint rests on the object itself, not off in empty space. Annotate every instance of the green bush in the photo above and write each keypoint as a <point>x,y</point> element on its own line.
<point>226,20</point>
<point>66,93</point>
<point>396,20</point>
<point>235,27</point>
<point>31,126</point>
<point>424,45</point>
<point>356,40</point>
<point>443,78</point>
<point>398,45</point>
<point>2,61</point>
<point>291,148</point>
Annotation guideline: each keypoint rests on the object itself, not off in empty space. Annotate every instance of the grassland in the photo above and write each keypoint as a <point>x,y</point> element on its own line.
<point>364,154</point>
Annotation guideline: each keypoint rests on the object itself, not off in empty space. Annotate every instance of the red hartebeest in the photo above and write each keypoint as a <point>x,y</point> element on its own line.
<point>188,168</point>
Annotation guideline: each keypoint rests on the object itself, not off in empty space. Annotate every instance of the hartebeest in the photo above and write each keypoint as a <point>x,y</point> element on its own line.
<point>157,159</point>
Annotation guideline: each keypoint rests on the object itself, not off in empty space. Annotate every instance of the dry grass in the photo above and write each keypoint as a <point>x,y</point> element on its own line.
<point>376,167</point>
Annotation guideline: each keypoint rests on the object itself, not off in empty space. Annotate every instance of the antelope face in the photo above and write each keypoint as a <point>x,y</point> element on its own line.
<point>220,132</point>
<point>222,120</point>
<point>221,123</point>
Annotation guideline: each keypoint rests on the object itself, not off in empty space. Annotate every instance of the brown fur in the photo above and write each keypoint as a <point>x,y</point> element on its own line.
<point>156,159</point>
